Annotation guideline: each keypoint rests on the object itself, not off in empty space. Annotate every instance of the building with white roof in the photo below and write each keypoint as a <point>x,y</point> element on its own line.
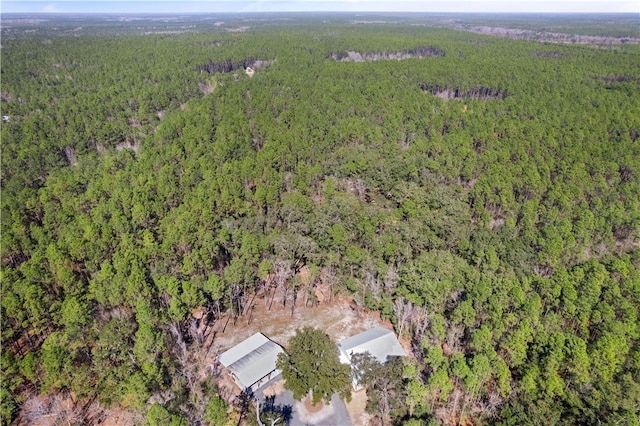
<point>252,362</point>
<point>378,341</point>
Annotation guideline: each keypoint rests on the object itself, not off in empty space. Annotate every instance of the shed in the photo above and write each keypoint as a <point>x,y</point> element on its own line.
<point>252,362</point>
<point>378,341</point>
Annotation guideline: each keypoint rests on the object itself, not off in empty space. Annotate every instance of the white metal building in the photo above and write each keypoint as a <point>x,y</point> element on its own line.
<point>252,362</point>
<point>378,341</point>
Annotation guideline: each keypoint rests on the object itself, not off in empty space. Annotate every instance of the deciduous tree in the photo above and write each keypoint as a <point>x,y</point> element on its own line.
<point>311,365</point>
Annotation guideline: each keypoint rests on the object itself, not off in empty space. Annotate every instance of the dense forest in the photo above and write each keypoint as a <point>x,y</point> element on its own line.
<point>482,193</point>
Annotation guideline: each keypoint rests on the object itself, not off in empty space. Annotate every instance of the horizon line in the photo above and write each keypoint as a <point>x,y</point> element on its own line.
<point>324,11</point>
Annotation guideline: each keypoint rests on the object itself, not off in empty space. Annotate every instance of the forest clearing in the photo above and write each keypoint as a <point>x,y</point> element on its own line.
<point>339,318</point>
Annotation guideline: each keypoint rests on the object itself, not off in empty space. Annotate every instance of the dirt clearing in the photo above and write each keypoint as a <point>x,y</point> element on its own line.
<point>338,318</point>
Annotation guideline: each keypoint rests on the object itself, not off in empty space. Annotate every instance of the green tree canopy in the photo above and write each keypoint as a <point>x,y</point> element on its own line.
<point>158,415</point>
<point>312,365</point>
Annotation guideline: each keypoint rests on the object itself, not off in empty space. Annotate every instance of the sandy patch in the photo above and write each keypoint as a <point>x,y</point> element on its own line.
<point>356,408</point>
<point>337,318</point>
<point>313,413</point>
<point>275,389</point>
<point>309,408</point>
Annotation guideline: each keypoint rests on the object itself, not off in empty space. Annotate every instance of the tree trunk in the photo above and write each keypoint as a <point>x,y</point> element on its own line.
<point>227,322</point>
<point>258,413</point>
<point>275,289</point>
<point>293,302</point>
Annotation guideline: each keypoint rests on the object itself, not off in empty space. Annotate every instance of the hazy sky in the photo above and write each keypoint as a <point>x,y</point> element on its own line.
<point>212,6</point>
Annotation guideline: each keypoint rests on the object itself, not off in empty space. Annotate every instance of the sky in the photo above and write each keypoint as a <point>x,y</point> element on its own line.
<point>218,6</point>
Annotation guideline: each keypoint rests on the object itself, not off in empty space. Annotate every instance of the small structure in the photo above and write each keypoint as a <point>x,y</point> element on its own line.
<point>378,341</point>
<point>252,362</point>
<point>5,118</point>
<point>249,71</point>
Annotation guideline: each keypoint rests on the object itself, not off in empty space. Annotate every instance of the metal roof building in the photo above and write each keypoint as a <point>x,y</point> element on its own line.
<point>252,362</point>
<point>378,341</point>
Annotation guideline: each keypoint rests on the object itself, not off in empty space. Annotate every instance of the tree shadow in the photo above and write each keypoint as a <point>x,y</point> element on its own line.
<point>271,410</point>
<point>242,402</point>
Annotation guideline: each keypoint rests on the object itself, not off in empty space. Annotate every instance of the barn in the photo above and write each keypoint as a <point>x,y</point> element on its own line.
<point>252,362</point>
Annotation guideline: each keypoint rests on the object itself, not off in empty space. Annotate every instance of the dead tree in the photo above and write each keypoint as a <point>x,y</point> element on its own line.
<point>282,271</point>
<point>402,309</point>
<point>391,280</point>
<point>329,277</point>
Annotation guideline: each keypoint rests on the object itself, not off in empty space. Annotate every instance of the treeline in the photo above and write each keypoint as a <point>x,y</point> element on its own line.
<point>418,52</point>
<point>500,236</point>
<point>226,66</point>
<point>586,24</point>
<point>478,93</point>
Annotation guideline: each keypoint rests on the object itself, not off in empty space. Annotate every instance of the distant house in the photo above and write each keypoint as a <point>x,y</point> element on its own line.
<point>5,118</point>
<point>249,71</point>
<point>378,341</point>
<point>252,362</point>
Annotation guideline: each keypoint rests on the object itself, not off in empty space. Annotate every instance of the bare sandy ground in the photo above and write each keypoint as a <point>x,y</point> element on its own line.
<point>337,318</point>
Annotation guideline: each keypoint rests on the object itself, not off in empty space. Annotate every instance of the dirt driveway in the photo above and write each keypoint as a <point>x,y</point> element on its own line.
<point>298,413</point>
